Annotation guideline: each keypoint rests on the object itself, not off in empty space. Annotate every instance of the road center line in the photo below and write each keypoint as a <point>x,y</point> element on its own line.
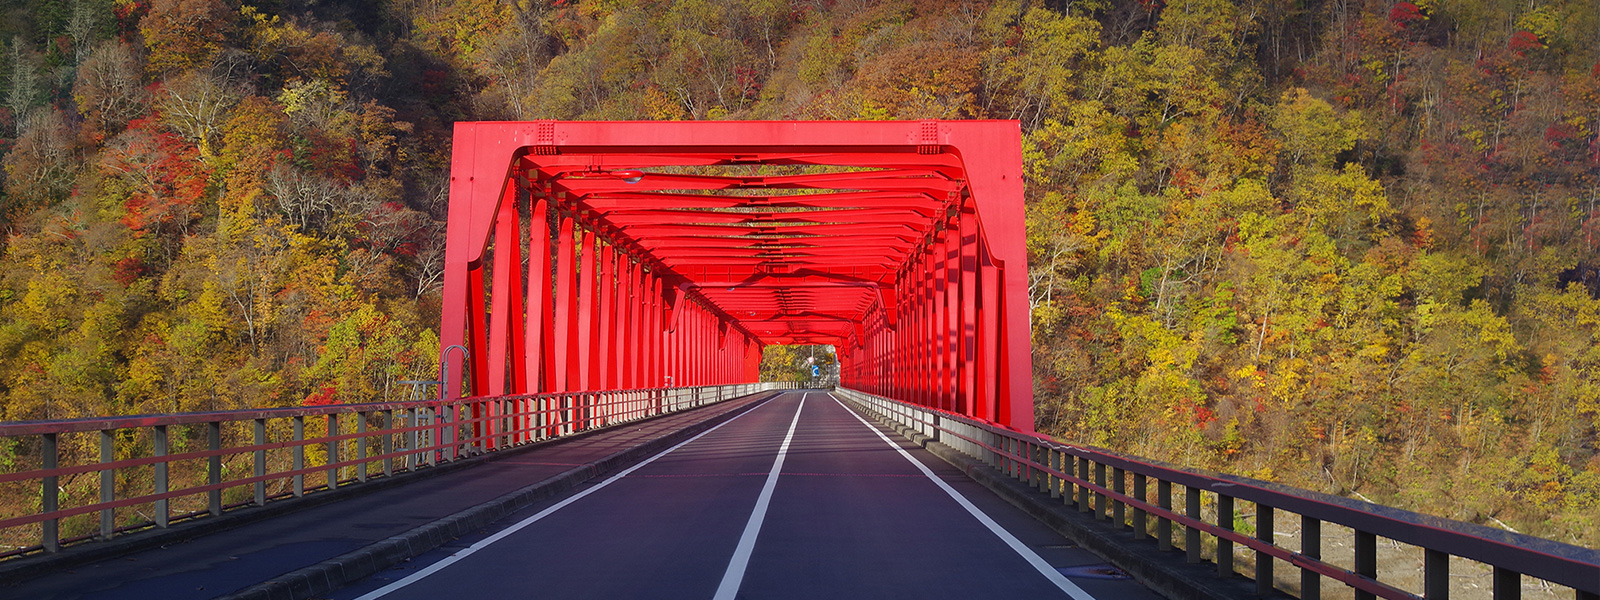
<point>1016,545</point>
<point>519,525</point>
<point>734,576</point>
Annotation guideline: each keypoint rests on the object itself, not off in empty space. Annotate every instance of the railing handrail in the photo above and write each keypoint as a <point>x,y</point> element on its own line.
<point>1565,564</point>
<point>82,424</point>
<point>398,436</point>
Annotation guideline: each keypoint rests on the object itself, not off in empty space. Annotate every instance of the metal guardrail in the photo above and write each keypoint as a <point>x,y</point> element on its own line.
<point>1064,470</point>
<point>298,450</point>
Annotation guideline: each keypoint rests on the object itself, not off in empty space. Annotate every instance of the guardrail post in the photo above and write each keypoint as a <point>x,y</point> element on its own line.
<point>361,446</point>
<point>535,418</point>
<point>1191,536</point>
<point>423,440</point>
<point>108,483</point>
<point>1265,533</point>
<point>1164,524</point>
<point>1140,529</point>
<point>160,477</point>
<point>261,462</point>
<point>1002,447</point>
<point>1099,498</point>
<point>413,438</point>
<point>447,432</point>
<point>1035,456</point>
<point>1435,574</point>
<point>299,456</point>
<point>1507,584</point>
<point>1054,462</point>
<point>1083,476</point>
<point>508,428</point>
<point>1069,466</point>
<point>1016,456</point>
<point>1224,546</point>
<point>333,451</point>
<point>1020,459</point>
<point>388,442</point>
<point>1367,561</point>
<point>1118,485</point>
<point>1310,547</point>
<point>214,473</point>
<point>50,492</point>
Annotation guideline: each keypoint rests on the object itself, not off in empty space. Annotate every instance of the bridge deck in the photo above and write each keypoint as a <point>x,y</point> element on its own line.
<point>226,561</point>
<point>850,515</point>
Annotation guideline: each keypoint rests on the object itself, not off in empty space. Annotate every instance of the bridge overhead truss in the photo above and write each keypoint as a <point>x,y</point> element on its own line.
<point>624,255</point>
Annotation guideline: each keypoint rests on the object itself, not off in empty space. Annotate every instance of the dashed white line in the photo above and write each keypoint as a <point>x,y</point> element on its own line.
<point>734,576</point>
<point>1016,545</point>
<point>519,525</point>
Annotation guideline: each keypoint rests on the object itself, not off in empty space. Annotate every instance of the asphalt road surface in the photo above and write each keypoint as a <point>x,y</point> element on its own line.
<point>797,498</point>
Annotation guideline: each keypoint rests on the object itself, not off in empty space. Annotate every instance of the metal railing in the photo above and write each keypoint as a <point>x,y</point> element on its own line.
<point>155,470</point>
<point>1079,476</point>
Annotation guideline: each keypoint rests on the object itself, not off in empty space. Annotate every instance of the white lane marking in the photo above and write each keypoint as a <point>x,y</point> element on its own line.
<point>470,550</point>
<point>1027,553</point>
<point>734,576</point>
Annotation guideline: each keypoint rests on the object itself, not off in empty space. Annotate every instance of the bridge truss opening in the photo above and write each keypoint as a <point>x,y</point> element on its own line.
<point>622,255</point>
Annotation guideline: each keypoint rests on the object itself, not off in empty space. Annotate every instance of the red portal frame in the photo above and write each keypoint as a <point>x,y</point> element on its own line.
<point>618,255</point>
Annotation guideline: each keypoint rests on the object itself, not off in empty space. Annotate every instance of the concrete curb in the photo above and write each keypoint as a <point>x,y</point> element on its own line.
<point>1168,573</point>
<point>347,568</point>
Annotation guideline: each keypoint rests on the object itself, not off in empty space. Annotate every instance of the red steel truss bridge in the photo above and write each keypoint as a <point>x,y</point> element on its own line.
<point>899,243</point>
<point>599,430</point>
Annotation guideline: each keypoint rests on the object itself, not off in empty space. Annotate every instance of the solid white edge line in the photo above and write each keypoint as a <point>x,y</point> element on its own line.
<point>734,576</point>
<point>1027,553</point>
<point>502,534</point>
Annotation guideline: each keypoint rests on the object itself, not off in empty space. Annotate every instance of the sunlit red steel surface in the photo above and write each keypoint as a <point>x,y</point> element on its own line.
<point>670,253</point>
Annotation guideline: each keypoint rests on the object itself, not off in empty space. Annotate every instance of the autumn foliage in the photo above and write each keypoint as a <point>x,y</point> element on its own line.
<point>1351,246</point>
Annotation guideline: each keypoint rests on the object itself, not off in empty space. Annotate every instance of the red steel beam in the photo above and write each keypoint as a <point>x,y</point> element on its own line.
<point>682,247</point>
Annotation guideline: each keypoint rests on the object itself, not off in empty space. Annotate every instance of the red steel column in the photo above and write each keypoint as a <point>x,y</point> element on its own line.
<point>590,261</point>
<point>655,372</point>
<point>989,372</point>
<point>904,338</point>
<point>913,334</point>
<point>926,314</point>
<point>637,344</point>
<point>607,294</point>
<point>566,341</point>
<point>969,313</point>
<point>567,346</point>
<point>997,198</point>
<point>627,365</point>
<point>902,353</point>
<point>548,349</point>
<point>696,345</point>
<point>697,363</point>
<point>505,298</point>
<point>950,328</point>
<point>672,346</point>
<point>535,354</point>
<point>507,302</point>
<point>708,347</point>
<point>940,331</point>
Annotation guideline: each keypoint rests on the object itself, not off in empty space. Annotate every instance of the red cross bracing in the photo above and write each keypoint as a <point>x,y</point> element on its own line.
<point>625,255</point>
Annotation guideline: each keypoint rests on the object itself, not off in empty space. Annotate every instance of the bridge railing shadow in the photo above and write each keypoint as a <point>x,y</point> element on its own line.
<point>1133,494</point>
<point>154,471</point>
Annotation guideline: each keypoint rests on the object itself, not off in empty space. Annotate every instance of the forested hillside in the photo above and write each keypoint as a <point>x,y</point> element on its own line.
<point>1349,245</point>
